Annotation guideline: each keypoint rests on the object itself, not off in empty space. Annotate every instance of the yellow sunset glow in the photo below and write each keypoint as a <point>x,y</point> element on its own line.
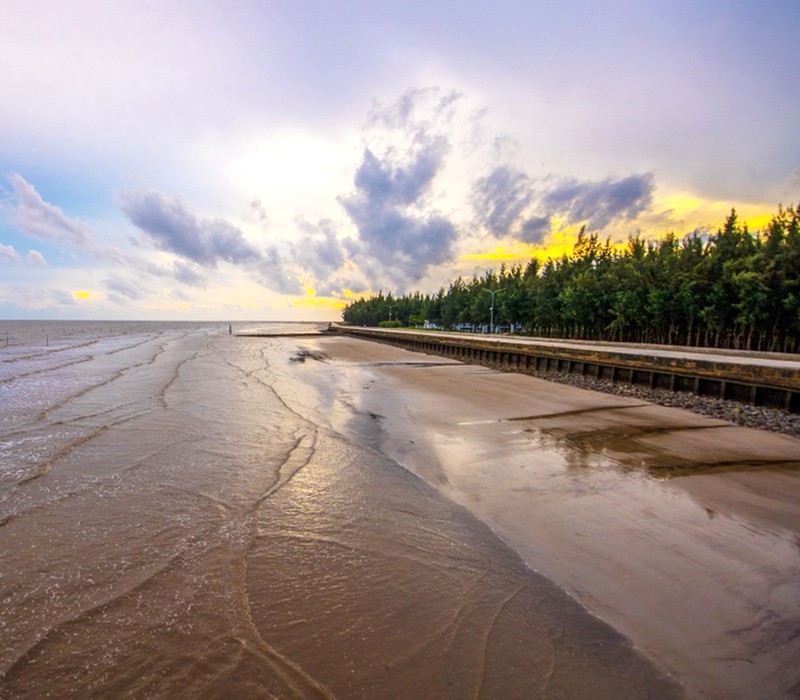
<point>511,253</point>
<point>81,295</point>
<point>682,212</point>
<point>320,303</point>
<point>554,245</point>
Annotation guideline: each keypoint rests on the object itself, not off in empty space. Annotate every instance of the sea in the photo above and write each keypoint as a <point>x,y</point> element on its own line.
<point>180,517</point>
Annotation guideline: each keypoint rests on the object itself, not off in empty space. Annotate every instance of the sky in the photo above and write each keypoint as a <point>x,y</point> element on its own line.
<point>275,159</point>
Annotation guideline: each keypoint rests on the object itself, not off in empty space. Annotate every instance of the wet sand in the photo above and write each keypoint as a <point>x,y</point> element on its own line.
<point>680,531</point>
<point>188,514</point>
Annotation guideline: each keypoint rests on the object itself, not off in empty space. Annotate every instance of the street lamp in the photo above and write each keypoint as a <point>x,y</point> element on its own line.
<point>391,306</point>
<point>491,309</point>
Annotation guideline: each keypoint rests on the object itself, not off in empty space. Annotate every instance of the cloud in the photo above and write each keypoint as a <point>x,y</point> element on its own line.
<point>35,217</point>
<point>416,111</point>
<point>600,203</point>
<point>534,229</point>
<point>327,263</point>
<point>62,297</point>
<point>500,198</point>
<point>258,212</point>
<point>318,249</point>
<point>33,296</point>
<point>388,209</point>
<point>510,203</point>
<point>8,254</point>
<point>173,228</point>
<point>274,273</point>
<point>400,187</point>
<point>125,289</point>
<point>35,259</point>
<point>384,185</point>
<point>186,274</point>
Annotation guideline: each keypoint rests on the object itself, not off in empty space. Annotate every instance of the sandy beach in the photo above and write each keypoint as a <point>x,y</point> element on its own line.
<point>184,513</point>
<point>679,531</point>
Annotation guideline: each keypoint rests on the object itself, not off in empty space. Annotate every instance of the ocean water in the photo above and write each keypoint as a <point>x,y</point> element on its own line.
<point>179,518</point>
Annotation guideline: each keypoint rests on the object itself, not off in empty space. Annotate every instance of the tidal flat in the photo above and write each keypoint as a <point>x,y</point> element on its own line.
<point>679,530</point>
<point>187,513</point>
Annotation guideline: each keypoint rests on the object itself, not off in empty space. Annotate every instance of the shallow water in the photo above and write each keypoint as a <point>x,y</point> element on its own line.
<point>180,516</point>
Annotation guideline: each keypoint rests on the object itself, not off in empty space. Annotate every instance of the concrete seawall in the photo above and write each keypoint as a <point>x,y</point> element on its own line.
<point>751,378</point>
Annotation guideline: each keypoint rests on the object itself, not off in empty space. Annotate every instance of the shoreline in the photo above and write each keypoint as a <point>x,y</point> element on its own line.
<point>565,477</point>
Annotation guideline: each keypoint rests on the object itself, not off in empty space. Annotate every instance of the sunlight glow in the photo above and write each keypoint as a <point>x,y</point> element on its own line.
<point>682,213</point>
<point>502,253</point>
<point>291,171</point>
<point>320,303</point>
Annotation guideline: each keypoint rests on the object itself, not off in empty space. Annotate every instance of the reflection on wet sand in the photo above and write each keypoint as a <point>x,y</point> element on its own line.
<point>191,514</point>
<point>400,592</point>
<point>679,530</point>
<point>628,437</point>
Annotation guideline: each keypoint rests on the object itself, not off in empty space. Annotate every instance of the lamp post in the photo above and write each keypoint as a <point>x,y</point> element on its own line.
<point>390,311</point>
<point>491,309</point>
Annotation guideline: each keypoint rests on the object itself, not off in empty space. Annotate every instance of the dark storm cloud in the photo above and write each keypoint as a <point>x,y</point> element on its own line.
<point>500,198</point>
<point>386,210</point>
<point>171,227</point>
<point>384,185</point>
<point>600,203</point>
<point>534,229</point>
<point>508,202</point>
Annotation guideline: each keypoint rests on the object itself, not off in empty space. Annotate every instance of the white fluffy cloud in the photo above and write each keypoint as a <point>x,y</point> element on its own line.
<point>35,217</point>
<point>35,259</point>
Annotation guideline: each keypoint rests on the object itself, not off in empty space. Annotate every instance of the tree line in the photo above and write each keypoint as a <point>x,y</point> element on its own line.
<point>733,289</point>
